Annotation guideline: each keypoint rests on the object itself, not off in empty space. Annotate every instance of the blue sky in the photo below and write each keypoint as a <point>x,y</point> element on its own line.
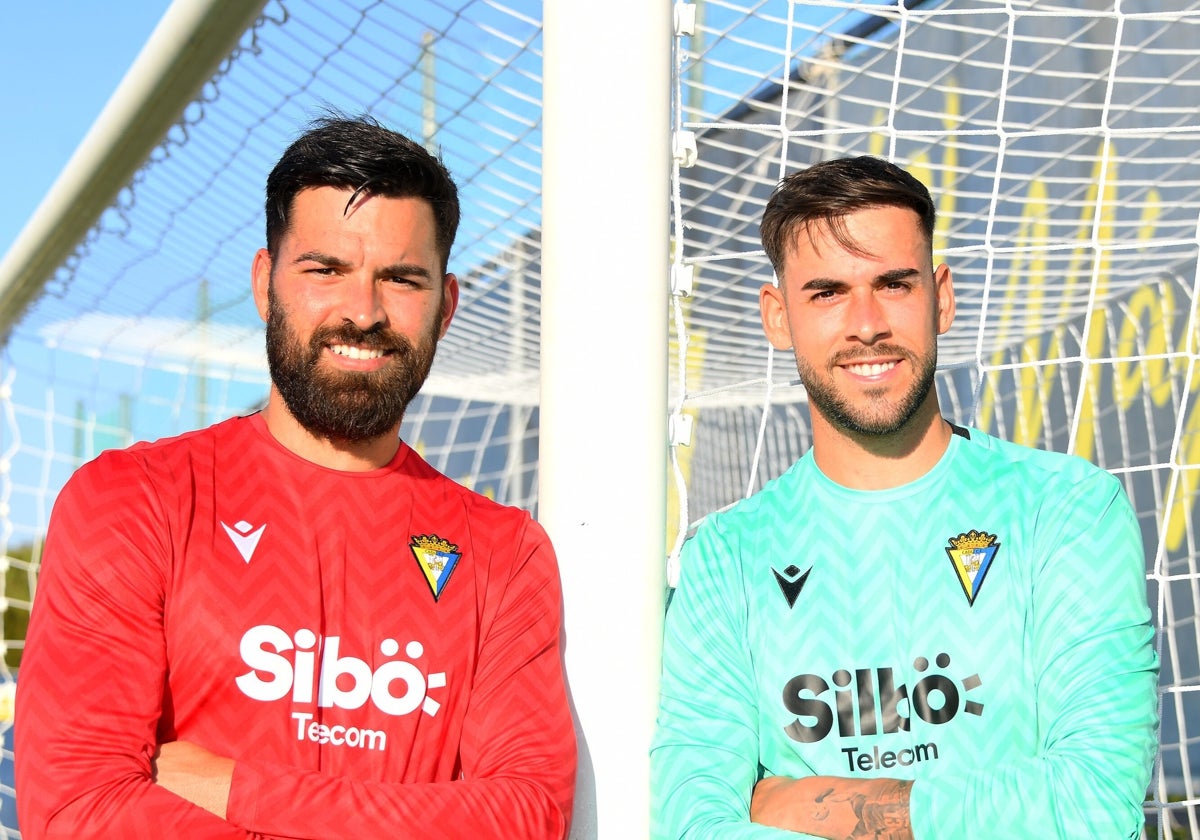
<point>61,61</point>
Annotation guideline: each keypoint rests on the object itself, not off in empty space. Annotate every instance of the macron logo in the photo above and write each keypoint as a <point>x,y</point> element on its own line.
<point>245,537</point>
<point>791,581</point>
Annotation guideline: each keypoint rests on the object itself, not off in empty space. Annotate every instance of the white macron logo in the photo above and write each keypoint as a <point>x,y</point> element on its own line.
<point>245,540</point>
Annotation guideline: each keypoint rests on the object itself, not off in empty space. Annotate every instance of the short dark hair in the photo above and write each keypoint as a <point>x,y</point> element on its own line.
<point>360,154</point>
<point>825,193</point>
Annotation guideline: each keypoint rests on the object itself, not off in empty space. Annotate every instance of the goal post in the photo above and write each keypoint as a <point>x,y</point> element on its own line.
<point>602,453</point>
<point>181,55</point>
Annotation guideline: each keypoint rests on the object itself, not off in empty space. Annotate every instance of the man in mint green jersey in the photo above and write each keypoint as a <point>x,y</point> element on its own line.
<point>919,630</point>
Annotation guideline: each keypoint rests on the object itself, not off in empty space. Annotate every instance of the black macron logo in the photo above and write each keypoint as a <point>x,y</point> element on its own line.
<point>791,581</point>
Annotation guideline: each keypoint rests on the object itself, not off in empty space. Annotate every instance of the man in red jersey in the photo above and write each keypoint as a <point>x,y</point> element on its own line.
<point>288,624</point>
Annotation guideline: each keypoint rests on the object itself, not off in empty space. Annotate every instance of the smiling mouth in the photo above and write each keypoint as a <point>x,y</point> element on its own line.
<point>870,369</point>
<point>352,352</point>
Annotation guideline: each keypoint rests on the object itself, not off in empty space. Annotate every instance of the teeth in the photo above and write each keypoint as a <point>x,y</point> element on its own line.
<point>351,352</point>
<point>870,370</point>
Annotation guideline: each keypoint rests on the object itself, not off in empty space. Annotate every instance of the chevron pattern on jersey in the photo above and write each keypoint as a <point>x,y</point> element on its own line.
<point>314,652</point>
<point>1044,681</point>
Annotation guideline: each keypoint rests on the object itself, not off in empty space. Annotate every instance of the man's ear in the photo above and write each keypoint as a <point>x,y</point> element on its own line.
<point>944,284</point>
<point>449,302</point>
<point>773,308</point>
<point>260,280</point>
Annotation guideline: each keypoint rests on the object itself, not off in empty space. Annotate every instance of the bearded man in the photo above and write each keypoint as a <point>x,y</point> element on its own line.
<point>288,624</point>
<point>918,631</point>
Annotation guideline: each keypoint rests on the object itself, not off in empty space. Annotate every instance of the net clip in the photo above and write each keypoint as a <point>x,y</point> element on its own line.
<point>682,277</point>
<point>685,19</point>
<point>685,148</point>
<point>679,426</point>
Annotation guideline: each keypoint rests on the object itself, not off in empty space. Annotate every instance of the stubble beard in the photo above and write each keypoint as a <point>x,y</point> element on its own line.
<point>877,416</point>
<point>350,406</point>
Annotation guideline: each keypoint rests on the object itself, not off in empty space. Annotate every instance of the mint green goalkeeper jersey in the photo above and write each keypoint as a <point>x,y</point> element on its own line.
<point>982,631</point>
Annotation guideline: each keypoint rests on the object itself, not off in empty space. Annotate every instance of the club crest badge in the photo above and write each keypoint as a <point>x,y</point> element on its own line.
<point>438,558</point>
<point>972,554</point>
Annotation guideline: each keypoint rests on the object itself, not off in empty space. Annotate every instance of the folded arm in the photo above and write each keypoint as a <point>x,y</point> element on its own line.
<point>836,808</point>
<point>90,686</point>
<point>518,750</point>
<point>1096,681</point>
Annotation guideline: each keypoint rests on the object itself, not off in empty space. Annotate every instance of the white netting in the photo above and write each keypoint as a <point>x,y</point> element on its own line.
<point>150,330</point>
<point>1059,140</point>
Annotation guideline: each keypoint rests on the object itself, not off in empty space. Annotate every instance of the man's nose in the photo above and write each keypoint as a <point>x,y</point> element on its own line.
<point>866,318</point>
<point>363,303</point>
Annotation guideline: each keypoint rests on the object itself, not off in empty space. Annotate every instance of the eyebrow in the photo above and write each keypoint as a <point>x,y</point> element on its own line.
<point>403,269</point>
<point>322,258</point>
<point>823,284</point>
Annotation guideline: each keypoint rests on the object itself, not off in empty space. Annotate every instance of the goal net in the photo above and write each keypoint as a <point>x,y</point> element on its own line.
<point>1059,141</point>
<point>149,330</point>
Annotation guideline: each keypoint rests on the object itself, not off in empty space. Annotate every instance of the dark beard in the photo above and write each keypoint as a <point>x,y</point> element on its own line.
<point>352,406</point>
<point>887,418</point>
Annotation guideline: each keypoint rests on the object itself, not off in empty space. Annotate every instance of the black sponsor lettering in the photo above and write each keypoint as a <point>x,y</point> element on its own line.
<point>802,706</point>
<point>889,702</point>
<point>939,683</point>
<point>845,704</point>
<point>868,702</point>
<point>862,761</point>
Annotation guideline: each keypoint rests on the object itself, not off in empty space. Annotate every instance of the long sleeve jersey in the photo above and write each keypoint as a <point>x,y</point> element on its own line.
<point>378,651</point>
<point>983,631</point>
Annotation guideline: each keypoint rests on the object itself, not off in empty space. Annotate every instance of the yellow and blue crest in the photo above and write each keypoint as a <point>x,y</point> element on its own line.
<point>438,558</point>
<point>972,554</point>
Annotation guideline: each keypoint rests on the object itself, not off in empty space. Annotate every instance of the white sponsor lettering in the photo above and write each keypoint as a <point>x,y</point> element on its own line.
<point>397,687</point>
<point>337,735</point>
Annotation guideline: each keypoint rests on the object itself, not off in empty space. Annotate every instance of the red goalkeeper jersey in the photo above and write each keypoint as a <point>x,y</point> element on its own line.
<point>378,651</point>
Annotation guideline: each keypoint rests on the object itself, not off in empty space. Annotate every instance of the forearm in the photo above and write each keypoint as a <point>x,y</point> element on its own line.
<point>1059,796</point>
<point>83,763</point>
<point>89,691</point>
<point>835,808</point>
<point>278,800</point>
<point>195,774</point>
<point>283,801</point>
<point>96,796</point>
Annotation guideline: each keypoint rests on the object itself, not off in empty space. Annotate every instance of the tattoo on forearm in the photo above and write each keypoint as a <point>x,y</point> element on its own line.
<point>883,817</point>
